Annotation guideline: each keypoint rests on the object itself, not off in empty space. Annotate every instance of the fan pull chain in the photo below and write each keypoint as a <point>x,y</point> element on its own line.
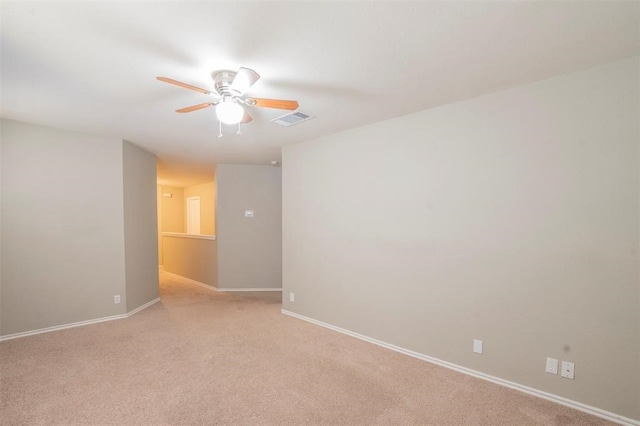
<point>219,129</point>
<point>239,129</point>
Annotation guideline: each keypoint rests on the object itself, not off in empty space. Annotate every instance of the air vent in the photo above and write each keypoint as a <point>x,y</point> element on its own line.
<point>293,118</point>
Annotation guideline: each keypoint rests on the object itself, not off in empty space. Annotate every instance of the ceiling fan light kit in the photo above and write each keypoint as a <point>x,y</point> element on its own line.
<point>229,112</point>
<point>230,87</point>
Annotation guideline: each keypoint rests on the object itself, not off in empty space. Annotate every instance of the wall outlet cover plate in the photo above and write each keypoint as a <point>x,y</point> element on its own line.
<point>568,370</point>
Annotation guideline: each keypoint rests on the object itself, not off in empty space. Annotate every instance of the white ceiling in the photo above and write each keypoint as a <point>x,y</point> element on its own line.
<point>91,66</point>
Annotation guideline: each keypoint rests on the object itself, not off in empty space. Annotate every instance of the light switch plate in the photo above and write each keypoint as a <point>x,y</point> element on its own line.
<point>477,346</point>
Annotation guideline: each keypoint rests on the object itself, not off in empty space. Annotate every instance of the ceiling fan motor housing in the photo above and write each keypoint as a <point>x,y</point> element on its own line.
<point>230,87</point>
<point>223,80</point>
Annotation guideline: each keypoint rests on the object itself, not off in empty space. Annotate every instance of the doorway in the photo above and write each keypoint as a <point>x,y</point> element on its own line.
<point>193,215</point>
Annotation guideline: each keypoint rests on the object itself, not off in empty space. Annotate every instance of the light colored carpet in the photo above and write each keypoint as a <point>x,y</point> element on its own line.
<point>202,357</point>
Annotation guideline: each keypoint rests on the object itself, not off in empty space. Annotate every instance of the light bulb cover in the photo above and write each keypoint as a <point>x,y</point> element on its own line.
<point>229,112</point>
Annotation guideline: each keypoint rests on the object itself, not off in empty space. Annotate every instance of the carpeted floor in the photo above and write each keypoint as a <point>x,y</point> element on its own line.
<point>202,357</point>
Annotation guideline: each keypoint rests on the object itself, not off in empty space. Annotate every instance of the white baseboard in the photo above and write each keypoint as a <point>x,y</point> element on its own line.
<point>190,281</point>
<point>250,289</point>
<point>77,324</point>
<point>146,305</point>
<point>531,391</point>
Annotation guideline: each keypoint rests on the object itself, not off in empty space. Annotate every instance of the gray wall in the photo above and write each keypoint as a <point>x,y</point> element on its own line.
<point>75,208</point>
<point>62,227</point>
<point>512,218</point>
<point>249,249</point>
<point>140,226</point>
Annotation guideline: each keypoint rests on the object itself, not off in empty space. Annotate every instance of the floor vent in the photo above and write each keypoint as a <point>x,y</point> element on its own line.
<point>292,118</point>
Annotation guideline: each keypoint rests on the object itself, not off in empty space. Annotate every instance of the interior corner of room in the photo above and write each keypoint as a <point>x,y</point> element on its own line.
<point>101,246</point>
<point>519,229</point>
<point>494,232</point>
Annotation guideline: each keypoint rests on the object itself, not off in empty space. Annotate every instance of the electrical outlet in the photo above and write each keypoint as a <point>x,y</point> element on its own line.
<point>552,366</point>
<point>116,299</point>
<point>568,369</point>
<point>292,297</point>
<point>248,213</point>
<point>477,346</point>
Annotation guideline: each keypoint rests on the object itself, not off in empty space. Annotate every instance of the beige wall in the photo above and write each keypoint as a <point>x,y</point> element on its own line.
<point>249,249</point>
<point>78,227</point>
<point>172,212</point>
<point>192,258</point>
<point>140,226</point>
<point>1,192</point>
<point>206,192</point>
<point>1,197</point>
<point>511,218</point>
<point>159,221</point>
<point>172,209</point>
<point>62,227</point>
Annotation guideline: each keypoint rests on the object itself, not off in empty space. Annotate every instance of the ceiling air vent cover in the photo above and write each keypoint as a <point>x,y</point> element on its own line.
<point>293,118</point>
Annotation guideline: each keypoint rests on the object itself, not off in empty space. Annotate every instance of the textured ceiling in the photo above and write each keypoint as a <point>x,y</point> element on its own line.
<point>91,66</point>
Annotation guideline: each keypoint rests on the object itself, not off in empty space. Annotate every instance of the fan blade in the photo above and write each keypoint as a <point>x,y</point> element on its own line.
<point>246,118</point>
<point>195,107</point>
<point>185,85</point>
<point>273,103</point>
<point>244,79</point>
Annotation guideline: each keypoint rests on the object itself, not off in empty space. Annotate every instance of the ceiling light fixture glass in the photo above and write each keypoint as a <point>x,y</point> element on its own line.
<point>229,112</point>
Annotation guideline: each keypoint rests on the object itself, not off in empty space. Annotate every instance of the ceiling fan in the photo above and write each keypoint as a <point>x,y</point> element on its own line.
<point>230,87</point>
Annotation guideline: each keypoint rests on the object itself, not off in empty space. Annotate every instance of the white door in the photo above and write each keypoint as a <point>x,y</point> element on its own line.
<point>193,215</point>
